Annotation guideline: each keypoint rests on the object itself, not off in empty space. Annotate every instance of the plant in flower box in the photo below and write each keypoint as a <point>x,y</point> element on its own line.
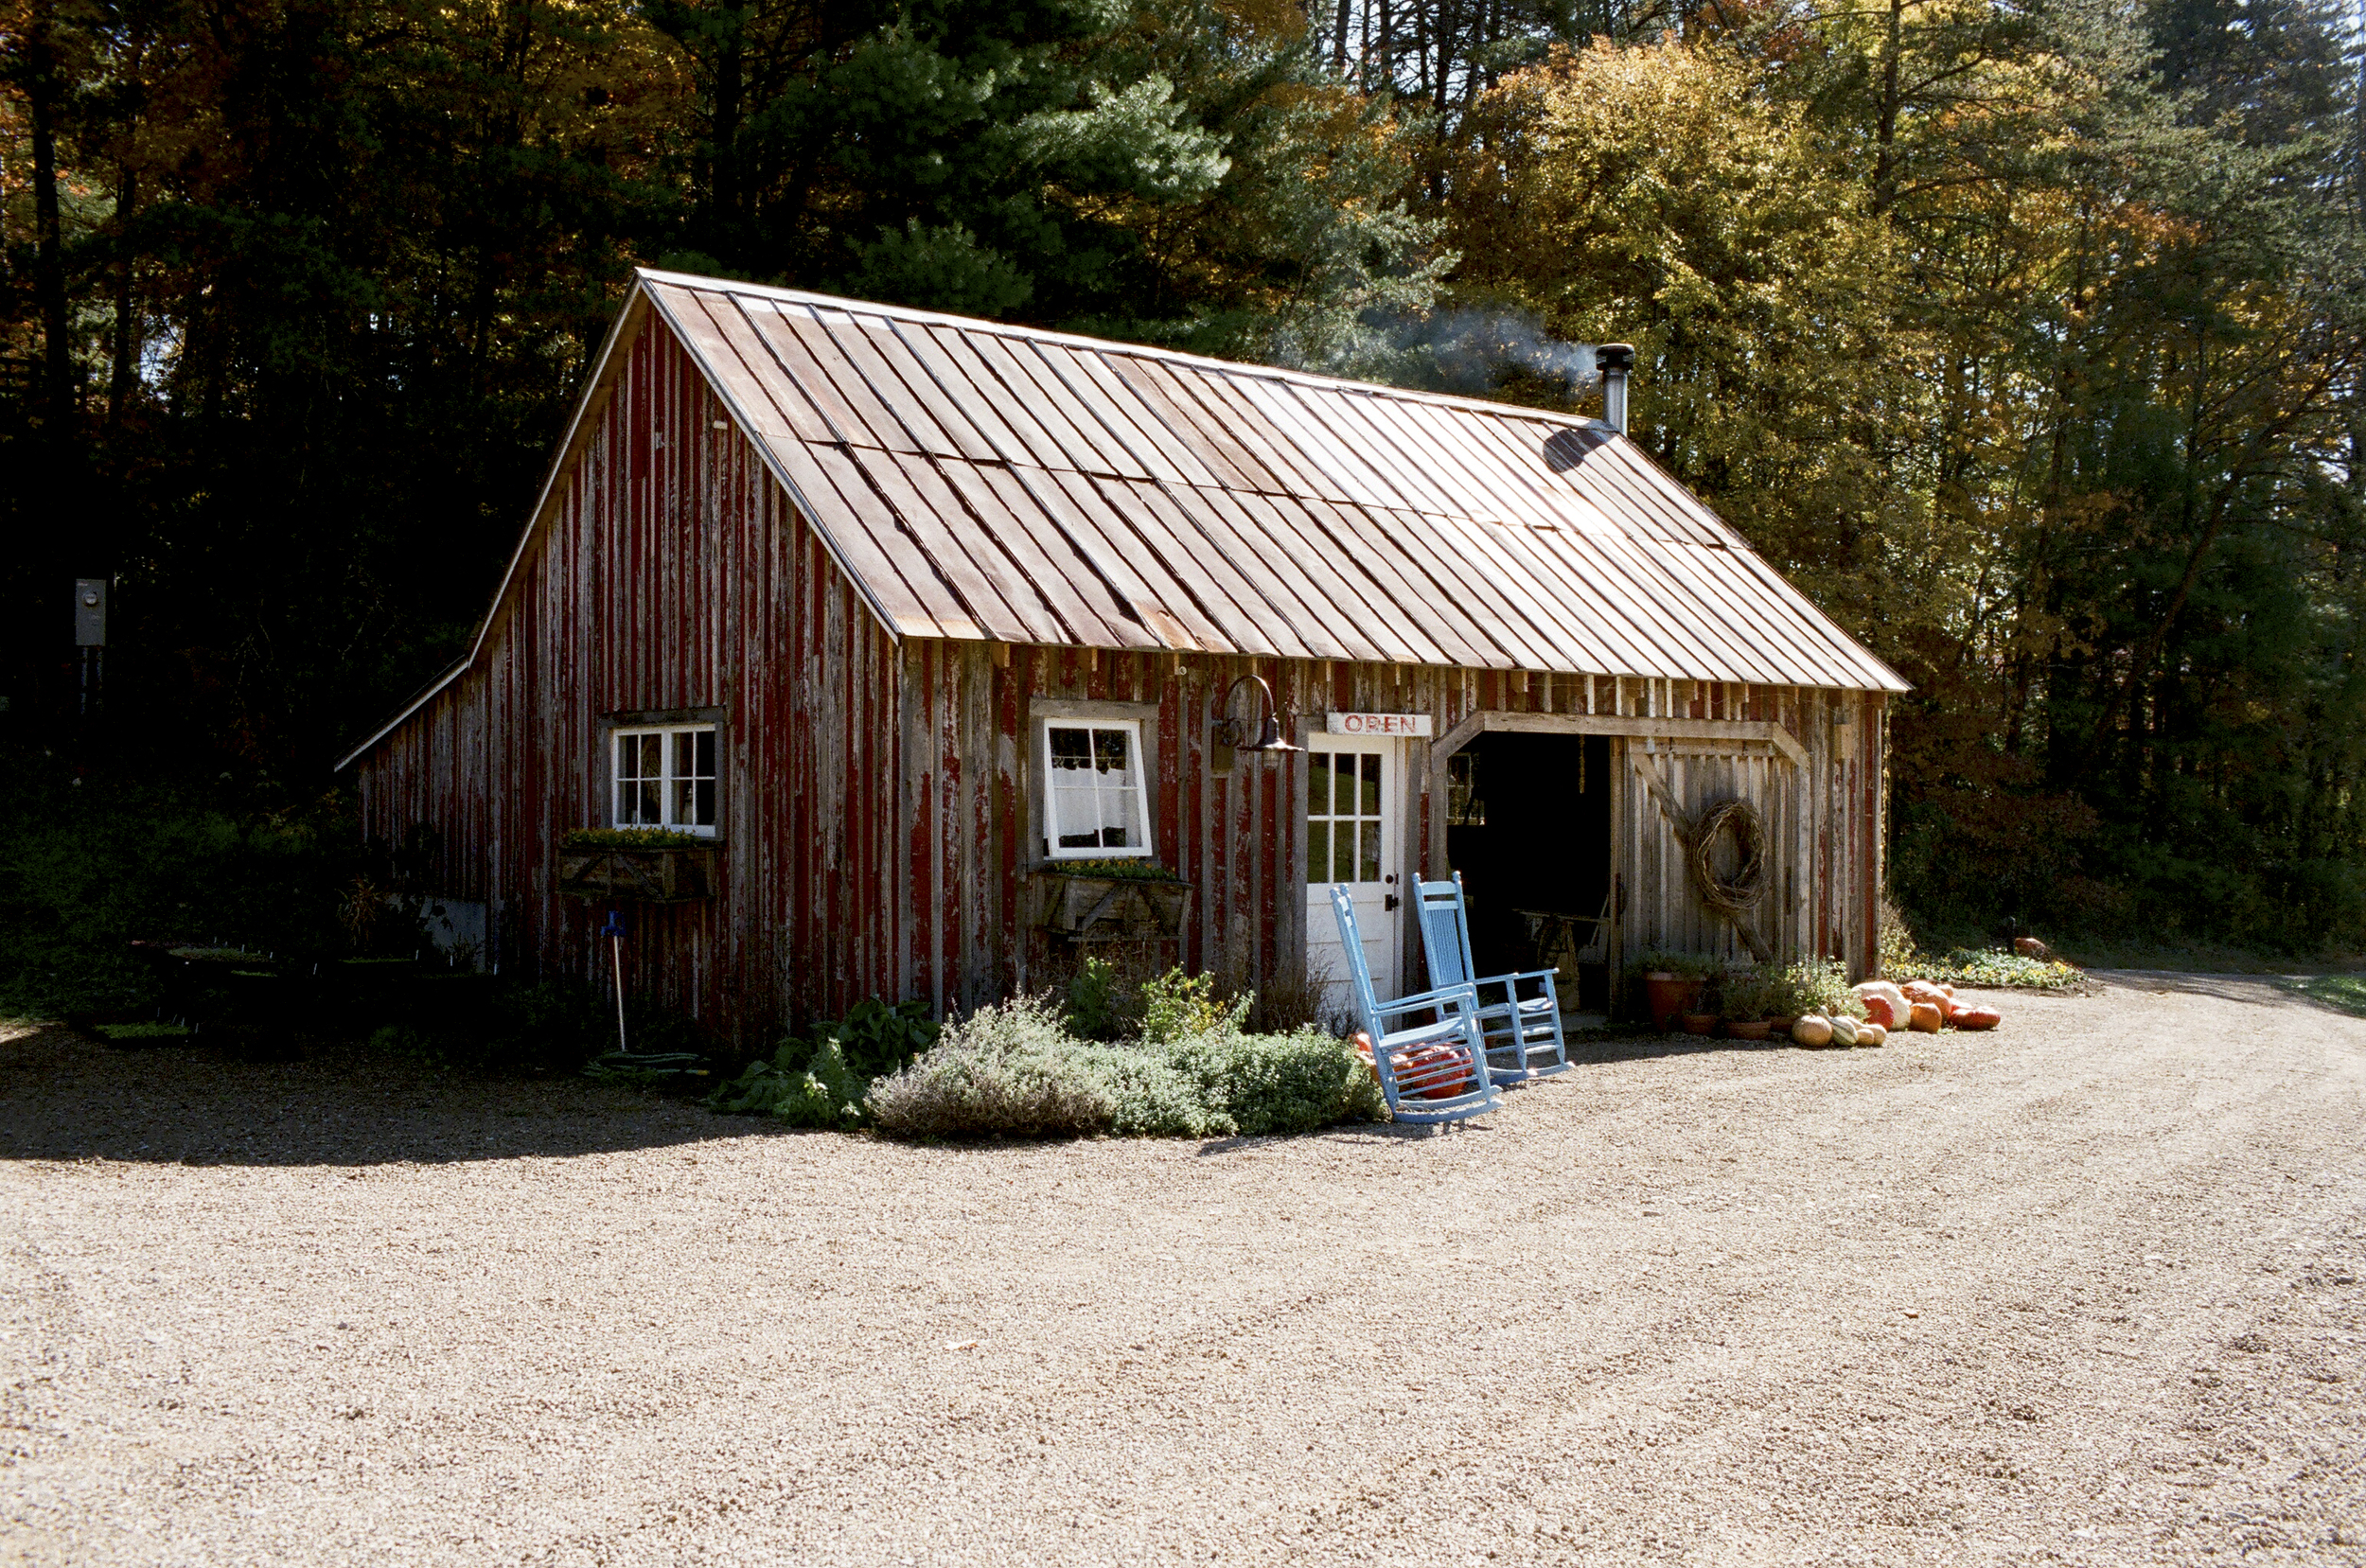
<point>1112,899</point>
<point>637,865</point>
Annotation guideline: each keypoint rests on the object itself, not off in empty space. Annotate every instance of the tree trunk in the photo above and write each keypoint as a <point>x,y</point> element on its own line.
<point>42,91</point>
<point>124,372</point>
<point>1885,127</point>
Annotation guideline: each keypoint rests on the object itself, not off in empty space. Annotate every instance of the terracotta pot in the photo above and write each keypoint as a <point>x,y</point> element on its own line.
<point>1700,1023</point>
<point>1748,1029</point>
<point>1781,1026</point>
<point>1668,996</point>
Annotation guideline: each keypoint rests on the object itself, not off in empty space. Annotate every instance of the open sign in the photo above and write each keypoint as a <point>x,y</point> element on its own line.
<point>1377,723</point>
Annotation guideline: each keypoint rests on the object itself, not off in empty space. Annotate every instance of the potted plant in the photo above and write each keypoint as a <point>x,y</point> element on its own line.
<point>1110,900</point>
<point>1672,983</point>
<point>1745,997</point>
<point>643,865</point>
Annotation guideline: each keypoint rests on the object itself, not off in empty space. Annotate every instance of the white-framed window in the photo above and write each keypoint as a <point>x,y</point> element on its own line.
<point>1096,797</point>
<point>665,776</point>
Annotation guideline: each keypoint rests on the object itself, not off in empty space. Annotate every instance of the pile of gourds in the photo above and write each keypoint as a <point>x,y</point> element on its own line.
<point>1919,1005</point>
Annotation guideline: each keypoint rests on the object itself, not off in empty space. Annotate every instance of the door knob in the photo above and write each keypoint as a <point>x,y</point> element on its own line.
<point>1392,902</point>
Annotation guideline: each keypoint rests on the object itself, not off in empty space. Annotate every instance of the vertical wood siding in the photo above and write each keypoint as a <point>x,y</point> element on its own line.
<point>673,572</point>
<point>875,802</point>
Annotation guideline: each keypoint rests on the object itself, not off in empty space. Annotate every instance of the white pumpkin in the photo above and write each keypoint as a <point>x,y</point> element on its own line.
<point>1872,1034</point>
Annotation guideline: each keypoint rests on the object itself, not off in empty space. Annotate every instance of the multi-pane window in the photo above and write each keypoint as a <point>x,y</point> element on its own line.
<point>666,778</point>
<point>1093,790</point>
<point>1343,817</point>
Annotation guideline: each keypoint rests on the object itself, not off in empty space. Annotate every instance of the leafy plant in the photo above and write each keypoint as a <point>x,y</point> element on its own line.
<point>1811,985</point>
<point>803,1086</point>
<point>1748,994</point>
<point>1176,1006</point>
<point>1096,1000</point>
<point>876,1038</point>
<point>1987,968</point>
<point>1685,966</point>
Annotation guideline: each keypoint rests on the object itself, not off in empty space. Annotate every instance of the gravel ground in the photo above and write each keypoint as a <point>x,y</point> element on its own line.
<point>2081,1291</point>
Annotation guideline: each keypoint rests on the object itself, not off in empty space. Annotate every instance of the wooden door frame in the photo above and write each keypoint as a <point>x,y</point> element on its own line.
<point>1621,728</point>
<point>1412,787</point>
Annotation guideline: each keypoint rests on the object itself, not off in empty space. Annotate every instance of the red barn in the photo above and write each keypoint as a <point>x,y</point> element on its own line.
<point>898,616</point>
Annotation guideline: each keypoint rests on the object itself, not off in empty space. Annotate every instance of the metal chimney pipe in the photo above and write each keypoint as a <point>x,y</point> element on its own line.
<point>1614,360</point>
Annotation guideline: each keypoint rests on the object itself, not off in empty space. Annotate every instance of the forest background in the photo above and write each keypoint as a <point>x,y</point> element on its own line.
<point>2024,335</point>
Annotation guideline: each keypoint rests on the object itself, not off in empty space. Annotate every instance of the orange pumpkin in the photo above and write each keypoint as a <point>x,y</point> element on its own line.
<point>1926,1017</point>
<point>1433,1072</point>
<point>1977,1017</point>
<point>1877,1010</point>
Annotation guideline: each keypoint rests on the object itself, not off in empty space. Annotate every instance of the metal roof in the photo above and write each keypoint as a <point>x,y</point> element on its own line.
<point>984,481</point>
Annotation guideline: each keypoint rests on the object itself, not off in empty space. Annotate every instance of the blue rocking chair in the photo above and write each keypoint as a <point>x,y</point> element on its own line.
<point>1428,1072</point>
<point>1522,1033</point>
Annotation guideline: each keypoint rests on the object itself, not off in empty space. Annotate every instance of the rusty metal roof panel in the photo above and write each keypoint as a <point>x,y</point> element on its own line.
<point>982,479</point>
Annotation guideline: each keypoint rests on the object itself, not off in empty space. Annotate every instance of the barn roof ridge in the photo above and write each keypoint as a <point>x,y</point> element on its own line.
<point>1118,345</point>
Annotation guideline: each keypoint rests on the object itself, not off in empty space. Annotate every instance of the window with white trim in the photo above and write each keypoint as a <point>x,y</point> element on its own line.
<point>1096,799</point>
<point>665,776</point>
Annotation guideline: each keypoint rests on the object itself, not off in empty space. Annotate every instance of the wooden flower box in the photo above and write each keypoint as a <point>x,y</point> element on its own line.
<point>1111,909</point>
<point>640,875</point>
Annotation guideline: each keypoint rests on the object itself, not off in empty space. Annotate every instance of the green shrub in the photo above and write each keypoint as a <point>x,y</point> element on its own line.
<point>1685,966</point>
<point>1272,1084</point>
<point>1014,1070</point>
<point>1008,1068</point>
<point>1751,993</point>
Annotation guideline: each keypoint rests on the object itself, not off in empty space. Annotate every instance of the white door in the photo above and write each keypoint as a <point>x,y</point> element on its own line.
<point>1353,836</point>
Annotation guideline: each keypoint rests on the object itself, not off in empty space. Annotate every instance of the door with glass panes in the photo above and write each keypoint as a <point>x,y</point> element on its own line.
<point>1353,836</point>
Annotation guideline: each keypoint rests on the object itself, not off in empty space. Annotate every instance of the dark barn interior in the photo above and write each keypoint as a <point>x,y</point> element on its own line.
<point>1527,825</point>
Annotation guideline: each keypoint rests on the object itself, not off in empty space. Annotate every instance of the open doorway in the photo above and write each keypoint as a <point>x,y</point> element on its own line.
<point>1527,825</point>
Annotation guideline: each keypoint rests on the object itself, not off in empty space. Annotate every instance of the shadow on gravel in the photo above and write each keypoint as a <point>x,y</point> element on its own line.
<point>64,1097</point>
<point>2246,990</point>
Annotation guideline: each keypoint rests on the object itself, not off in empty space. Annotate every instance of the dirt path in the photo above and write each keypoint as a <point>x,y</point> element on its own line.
<point>2083,1290</point>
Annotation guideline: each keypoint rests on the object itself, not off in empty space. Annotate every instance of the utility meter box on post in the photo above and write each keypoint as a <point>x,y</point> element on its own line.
<point>90,612</point>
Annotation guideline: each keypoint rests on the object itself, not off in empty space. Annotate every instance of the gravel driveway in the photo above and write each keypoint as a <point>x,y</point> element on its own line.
<point>2085,1290</point>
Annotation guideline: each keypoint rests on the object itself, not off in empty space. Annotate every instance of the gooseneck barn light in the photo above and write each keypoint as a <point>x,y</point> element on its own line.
<point>1227,733</point>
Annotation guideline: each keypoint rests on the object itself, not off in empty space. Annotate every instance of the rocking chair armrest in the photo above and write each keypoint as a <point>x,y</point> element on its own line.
<point>1512,980</point>
<point>1462,994</point>
<point>1448,1032</point>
